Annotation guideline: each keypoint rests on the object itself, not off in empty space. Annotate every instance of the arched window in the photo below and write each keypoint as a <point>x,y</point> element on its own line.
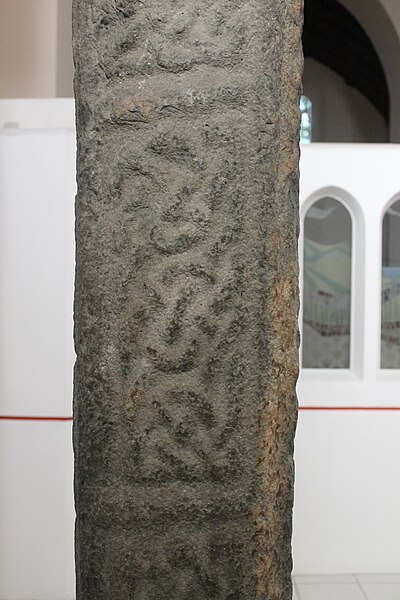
<point>390,311</point>
<point>327,286</point>
<point>306,120</point>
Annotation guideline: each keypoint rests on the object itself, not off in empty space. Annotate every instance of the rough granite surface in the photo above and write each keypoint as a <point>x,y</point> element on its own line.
<point>186,297</point>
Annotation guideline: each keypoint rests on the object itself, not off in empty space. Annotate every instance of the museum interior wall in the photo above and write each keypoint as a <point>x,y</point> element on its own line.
<point>341,458</point>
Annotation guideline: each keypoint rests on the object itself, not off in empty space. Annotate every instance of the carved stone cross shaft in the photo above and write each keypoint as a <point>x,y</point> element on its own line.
<point>186,297</point>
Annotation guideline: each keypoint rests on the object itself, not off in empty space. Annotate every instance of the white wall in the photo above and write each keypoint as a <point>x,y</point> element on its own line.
<point>347,469</point>
<point>37,186</point>
<point>347,492</point>
<point>340,112</point>
<point>36,511</point>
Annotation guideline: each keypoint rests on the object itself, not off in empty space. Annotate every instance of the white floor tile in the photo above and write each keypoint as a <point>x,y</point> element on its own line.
<point>378,578</point>
<point>331,591</point>
<point>381,591</point>
<point>295,592</point>
<point>345,578</point>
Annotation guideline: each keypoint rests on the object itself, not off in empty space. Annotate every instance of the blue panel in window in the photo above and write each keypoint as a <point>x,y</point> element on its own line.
<point>306,120</point>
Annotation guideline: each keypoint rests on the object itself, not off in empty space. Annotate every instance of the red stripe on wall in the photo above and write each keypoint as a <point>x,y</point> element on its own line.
<point>308,408</point>
<point>29,418</point>
<point>349,407</point>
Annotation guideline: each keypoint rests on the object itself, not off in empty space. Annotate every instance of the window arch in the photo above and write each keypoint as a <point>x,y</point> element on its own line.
<point>334,37</point>
<point>390,293</point>
<point>327,285</point>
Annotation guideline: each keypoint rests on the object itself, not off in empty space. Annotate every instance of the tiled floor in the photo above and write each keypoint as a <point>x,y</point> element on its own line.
<point>346,587</point>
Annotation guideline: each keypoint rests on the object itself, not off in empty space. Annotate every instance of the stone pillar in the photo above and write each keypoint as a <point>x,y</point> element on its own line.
<point>186,297</point>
